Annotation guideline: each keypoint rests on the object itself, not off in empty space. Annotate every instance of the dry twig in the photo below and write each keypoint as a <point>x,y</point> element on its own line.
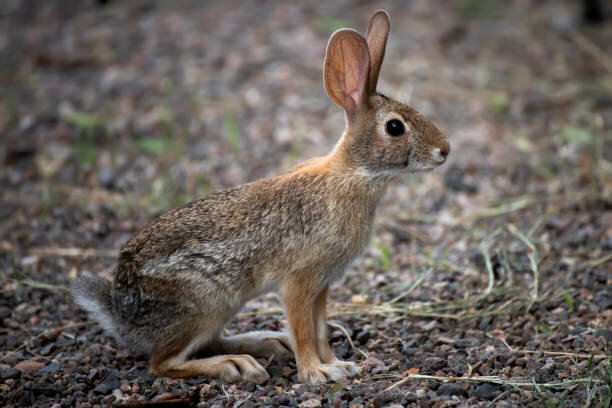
<point>592,49</point>
<point>484,248</point>
<point>419,279</point>
<point>72,252</point>
<point>44,333</point>
<point>532,254</point>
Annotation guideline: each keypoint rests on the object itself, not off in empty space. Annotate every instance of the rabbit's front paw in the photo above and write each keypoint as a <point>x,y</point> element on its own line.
<point>335,371</point>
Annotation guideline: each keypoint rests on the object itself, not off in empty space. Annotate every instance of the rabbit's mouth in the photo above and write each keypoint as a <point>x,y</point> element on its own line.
<point>419,166</point>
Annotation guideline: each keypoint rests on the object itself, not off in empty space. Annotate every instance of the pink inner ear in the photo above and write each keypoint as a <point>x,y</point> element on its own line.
<point>351,81</point>
<point>353,76</point>
<point>355,96</point>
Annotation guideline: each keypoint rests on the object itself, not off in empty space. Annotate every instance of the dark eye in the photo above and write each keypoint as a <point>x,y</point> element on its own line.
<point>395,127</point>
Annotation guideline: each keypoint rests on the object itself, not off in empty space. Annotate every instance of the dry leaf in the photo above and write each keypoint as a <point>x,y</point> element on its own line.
<point>361,299</point>
<point>30,365</point>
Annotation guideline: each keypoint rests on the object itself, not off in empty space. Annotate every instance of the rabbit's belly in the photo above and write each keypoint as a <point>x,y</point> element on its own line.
<point>266,285</point>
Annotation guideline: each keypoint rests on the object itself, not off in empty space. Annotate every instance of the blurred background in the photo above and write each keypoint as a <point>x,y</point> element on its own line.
<point>112,112</point>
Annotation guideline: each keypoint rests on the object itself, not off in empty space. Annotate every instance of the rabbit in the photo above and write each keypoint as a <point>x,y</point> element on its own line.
<point>181,278</point>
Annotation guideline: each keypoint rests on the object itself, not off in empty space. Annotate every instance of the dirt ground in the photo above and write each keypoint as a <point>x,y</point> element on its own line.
<point>487,282</point>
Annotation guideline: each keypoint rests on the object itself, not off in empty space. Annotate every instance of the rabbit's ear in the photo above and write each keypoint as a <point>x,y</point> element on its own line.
<point>347,69</point>
<point>378,30</point>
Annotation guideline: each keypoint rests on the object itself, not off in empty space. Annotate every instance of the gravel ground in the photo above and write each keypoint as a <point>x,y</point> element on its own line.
<point>487,282</point>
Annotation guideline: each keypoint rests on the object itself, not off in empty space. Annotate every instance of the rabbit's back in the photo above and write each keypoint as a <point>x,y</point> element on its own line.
<point>240,237</point>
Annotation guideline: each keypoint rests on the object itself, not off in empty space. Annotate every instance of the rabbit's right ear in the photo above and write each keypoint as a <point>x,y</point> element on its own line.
<point>378,31</point>
<point>347,70</point>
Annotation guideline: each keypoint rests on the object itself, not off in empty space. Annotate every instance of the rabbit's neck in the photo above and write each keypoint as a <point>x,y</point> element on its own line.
<point>340,163</point>
<point>373,183</point>
<point>366,187</point>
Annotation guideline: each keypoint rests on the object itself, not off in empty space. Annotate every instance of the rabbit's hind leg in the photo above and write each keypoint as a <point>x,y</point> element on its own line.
<point>259,344</point>
<point>170,359</point>
<point>228,367</point>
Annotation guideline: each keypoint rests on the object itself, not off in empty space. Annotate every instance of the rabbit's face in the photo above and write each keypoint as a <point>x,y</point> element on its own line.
<point>394,138</point>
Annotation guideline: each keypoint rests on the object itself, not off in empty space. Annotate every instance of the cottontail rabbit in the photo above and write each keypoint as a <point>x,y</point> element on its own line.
<point>181,278</point>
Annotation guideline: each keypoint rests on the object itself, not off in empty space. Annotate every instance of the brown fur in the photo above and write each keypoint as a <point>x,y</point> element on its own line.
<point>182,277</point>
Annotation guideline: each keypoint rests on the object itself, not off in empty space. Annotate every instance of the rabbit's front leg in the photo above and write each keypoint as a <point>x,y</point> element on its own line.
<point>299,296</point>
<point>326,355</point>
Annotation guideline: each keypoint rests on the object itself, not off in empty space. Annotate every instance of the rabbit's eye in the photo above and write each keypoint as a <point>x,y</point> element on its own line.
<point>395,127</point>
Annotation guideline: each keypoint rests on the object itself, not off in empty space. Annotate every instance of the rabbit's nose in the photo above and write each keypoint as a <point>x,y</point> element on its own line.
<point>440,154</point>
<point>444,152</point>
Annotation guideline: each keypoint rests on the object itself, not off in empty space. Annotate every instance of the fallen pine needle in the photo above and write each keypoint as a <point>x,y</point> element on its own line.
<point>552,353</point>
<point>490,380</point>
<point>42,285</point>
<point>348,337</point>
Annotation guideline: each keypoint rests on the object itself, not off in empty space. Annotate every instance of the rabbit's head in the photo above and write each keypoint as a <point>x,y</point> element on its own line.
<point>384,137</point>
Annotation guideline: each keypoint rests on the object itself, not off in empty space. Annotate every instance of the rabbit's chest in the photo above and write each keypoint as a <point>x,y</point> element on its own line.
<point>353,233</point>
<point>347,235</point>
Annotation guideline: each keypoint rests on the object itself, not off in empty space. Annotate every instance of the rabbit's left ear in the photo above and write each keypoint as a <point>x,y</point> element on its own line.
<point>347,71</point>
<point>377,33</point>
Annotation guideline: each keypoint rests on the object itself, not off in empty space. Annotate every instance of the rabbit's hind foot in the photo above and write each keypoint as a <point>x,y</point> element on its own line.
<point>230,368</point>
<point>259,344</point>
<point>171,359</point>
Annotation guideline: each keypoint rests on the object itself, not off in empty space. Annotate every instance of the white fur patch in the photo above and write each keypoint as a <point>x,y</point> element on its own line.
<point>98,313</point>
